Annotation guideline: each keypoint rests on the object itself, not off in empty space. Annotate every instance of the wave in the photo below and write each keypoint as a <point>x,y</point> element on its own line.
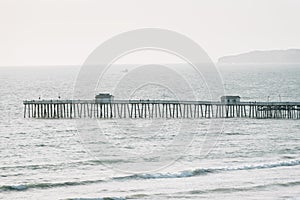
<point>46,185</point>
<point>68,164</point>
<point>244,189</point>
<point>235,133</point>
<point>182,174</point>
<point>203,171</point>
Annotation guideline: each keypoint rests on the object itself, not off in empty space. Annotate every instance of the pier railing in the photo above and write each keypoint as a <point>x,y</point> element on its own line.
<point>56,109</point>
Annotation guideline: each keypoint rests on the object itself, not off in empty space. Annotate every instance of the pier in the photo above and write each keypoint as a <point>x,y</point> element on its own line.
<point>106,109</point>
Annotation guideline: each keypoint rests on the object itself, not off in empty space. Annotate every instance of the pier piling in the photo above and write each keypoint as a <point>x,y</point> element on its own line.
<point>68,109</point>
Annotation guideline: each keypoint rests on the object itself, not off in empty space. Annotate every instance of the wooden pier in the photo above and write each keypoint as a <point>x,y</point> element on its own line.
<point>67,109</point>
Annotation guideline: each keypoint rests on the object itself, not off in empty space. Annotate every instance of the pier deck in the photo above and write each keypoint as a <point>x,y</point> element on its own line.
<point>56,109</point>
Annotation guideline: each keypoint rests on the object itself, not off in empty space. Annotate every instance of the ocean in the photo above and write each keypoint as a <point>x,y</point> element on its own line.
<point>125,158</point>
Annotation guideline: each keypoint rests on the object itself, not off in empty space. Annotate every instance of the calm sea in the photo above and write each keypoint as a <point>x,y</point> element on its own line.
<point>249,159</point>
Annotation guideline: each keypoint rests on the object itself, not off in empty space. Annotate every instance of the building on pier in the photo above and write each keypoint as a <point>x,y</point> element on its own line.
<point>230,99</point>
<point>104,98</point>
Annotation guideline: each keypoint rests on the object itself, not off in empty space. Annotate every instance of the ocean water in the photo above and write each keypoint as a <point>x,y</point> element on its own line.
<point>125,158</point>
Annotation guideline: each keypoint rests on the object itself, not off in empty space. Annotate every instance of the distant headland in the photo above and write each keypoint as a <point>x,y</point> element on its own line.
<point>290,56</point>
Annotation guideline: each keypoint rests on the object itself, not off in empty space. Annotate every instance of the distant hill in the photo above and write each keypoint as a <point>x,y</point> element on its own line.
<point>273,56</point>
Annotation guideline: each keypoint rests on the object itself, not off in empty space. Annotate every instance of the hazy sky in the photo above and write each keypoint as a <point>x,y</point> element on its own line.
<point>47,32</point>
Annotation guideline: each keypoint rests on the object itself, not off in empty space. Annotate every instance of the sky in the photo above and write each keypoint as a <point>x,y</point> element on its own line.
<point>65,32</point>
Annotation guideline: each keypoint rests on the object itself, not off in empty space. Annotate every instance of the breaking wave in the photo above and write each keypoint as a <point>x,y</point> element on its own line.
<point>46,185</point>
<point>198,172</point>
<point>182,174</point>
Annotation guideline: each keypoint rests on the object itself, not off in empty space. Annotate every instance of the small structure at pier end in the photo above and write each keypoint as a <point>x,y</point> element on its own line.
<point>104,98</point>
<point>230,99</point>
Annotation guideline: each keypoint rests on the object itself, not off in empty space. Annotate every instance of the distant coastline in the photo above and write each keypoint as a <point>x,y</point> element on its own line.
<point>290,56</point>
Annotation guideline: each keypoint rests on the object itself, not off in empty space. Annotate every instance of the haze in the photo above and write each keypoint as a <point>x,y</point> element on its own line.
<point>64,32</point>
